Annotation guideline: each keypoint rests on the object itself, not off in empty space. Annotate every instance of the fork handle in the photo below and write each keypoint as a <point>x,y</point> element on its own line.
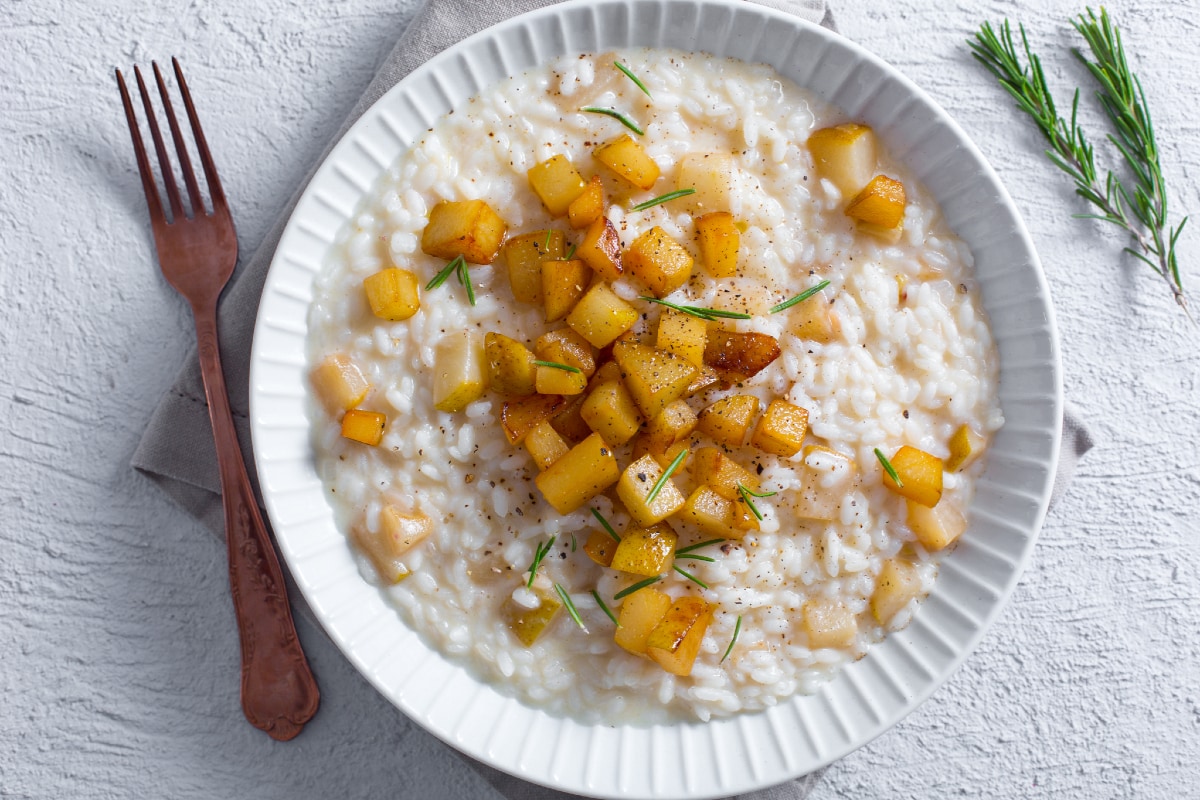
<point>279,693</point>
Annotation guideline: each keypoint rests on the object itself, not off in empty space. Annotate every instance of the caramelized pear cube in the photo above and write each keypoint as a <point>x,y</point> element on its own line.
<point>920,474</point>
<point>469,228</point>
<point>600,316</point>
<point>639,615</point>
<point>719,240</point>
<point>585,471</point>
<point>781,430</point>
<point>523,255</point>
<point>658,261</point>
<point>729,419</point>
<point>675,641</point>
<point>557,183</point>
<point>393,294</point>
<point>881,203</point>
<point>634,491</point>
<point>363,426</point>
<point>625,157</point>
<point>646,551</point>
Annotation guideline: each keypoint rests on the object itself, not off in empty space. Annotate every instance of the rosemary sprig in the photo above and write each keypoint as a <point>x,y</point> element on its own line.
<point>604,523</point>
<point>747,494</point>
<point>632,77</point>
<point>617,115</point>
<point>800,298</point>
<point>464,278</point>
<point>664,198</point>
<point>451,268</point>
<point>694,557</point>
<point>888,468</point>
<point>693,547</point>
<point>736,630</point>
<point>707,314</point>
<point>546,246</point>
<point>557,365</point>
<point>570,253</point>
<point>1143,213</point>
<point>662,479</point>
<point>604,607</point>
<point>570,604</point>
<point>538,555</point>
<point>628,590</point>
<point>690,577</point>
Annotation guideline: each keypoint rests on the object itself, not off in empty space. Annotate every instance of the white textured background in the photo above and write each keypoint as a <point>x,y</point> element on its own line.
<point>118,657</point>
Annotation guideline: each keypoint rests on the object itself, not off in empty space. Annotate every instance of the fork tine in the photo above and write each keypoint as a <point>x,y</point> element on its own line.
<point>164,159</point>
<point>210,169</point>
<point>148,186</point>
<point>185,163</point>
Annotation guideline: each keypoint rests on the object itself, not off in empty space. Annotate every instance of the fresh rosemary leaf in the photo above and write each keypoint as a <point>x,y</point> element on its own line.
<point>546,246</point>
<point>690,577</point>
<point>604,524</point>
<point>753,493</point>
<point>800,298</point>
<point>707,314</point>
<point>538,555</point>
<point>617,115</point>
<point>692,547</point>
<point>570,253</point>
<point>464,277</point>
<point>570,604</point>
<point>604,607</point>
<point>694,557</point>
<point>632,77</point>
<point>888,468</point>
<point>746,498</point>
<point>662,480</point>
<point>628,590</point>
<point>574,543</point>
<point>556,365</point>
<point>736,630</point>
<point>450,269</point>
<point>664,198</point>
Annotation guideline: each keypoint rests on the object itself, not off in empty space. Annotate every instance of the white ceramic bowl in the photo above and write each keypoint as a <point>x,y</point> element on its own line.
<point>685,760</point>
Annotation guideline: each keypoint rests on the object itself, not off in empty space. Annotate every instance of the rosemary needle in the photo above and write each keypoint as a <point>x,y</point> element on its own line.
<point>747,494</point>
<point>556,365</point>
<point>570,253</point>
<point>633,78</point>
<point>604,607</point>
<point>888,468</point>
<point>538,555</point>
<point>707,314</point>
<point>662,480</point>
<point>736,630</point>
<point>690,577</point>
<point>604,523</point>
<point>446,272</point>
<point>800,298</point>
<point>570,604</point>
<point>664,198</point>
<point>697,546</point>
<point>617,115</point>
<point>628,590</point>
<point>464,278</point>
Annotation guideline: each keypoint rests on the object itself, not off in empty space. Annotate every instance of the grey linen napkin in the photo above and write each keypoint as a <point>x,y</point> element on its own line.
<point>177,452</point>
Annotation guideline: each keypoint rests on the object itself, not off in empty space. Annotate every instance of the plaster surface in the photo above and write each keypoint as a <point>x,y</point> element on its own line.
<point>118,656</point>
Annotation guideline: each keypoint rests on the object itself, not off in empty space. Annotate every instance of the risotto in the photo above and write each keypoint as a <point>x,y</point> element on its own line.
<point>648,386</point>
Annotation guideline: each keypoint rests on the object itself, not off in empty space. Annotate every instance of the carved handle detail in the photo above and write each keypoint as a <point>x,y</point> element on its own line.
<point>279,694</point>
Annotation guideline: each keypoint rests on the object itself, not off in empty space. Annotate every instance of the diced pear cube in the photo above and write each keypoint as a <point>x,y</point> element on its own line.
<point>719,240</point>
<point>565,346</point>
<point>363,426</point>
<point>728,420</point>
<point>884,234</point>
<point>339,382</point>
<point>898,583</point>
<point>399,531</point>
<point>563,284</point>
<point>655,378</point>
<point>600,316</point>
<point>625,157</point>
<point>673,424</point>
<point>460,371</point>
<point>520,416</point>
<point>739,356</point>
<point>469,228</point>
<point>666,459</point>
<point>393,294</point>
<point>881,203</point>
<point>781,430</point>
<point>639,615</point>
<point>829,624</point>
<point>675,641</point>
<point>634,490</point>
<point>682,334</point>
<point>826,478</point>
<point>585,471</point>
<point>965,446</point>
<point>706,378</point>
<point>523,255</point>
<point>609,410</point>
<point>712,175</point>
<point>555,380</point>
<point>601,249</point>
<point>608,371</point>
<point>845,155</point>
<point>527,624</point>
<point>545,445</point>
<point>938,527</point>
<point>589,206</point>
<point>658,261</point>
<point>814,319</point>
<point>569,421</point>
<point>600,547</point>
<point>920,474</point>
<point>712,468</point>
<point>557,183</point>
<point>511,370</point>
<point>710,512</point>
<point>646,551</point>
<point>744,519</point>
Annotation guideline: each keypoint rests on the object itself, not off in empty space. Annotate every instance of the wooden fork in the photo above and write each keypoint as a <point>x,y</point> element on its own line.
<point>197,253</point>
